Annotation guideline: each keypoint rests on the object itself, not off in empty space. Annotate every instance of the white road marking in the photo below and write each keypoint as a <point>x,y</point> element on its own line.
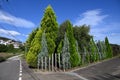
<point>75,74</point>
<point>20,73</point>
<point>20,78</point>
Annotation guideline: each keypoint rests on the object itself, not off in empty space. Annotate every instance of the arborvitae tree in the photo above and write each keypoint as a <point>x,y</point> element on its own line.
<point>34,49</point>
<point>77,47</point>
<point>101,49</point>
<point>108,48</point>
<point>50,25</point>
<point>87,56</point>
<point>74,58</point>
<point>66,53</point>
<point>59,48</point>
<point>94,51</point>
<point>30,38</point>
<point>44,49</point>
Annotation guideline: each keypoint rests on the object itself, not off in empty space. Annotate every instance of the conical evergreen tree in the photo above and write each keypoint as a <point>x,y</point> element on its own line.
<point>59,48</point>
<point>94,51</point>
<point>78,52</point>
<point>30,38</point>
<point>74,57</point>
<point>44,49</point>
<point>102,49</point>
<point>108,48</point>
<point>66,53</point>
<point>34,49</point>
<point>50,25</point>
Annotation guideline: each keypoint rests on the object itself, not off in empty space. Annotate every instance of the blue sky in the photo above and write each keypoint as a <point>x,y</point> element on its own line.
<point>19,17</point>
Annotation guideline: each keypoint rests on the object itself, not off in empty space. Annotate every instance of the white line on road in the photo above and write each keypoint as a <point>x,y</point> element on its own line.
<point>20,73</point>
<point>81,77</point>
<point>20,78</point>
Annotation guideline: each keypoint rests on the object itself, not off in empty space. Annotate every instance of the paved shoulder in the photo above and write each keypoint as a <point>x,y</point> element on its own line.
<point>27,73</point>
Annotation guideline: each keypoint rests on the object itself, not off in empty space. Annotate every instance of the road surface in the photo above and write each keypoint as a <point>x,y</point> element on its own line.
<point>9,70</point>
<point>107,70</point>
<point>16,69</point>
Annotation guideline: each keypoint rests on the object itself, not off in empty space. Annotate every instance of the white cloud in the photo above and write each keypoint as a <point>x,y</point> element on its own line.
<point>111,30</point>
<point>91,17</point>
<point>99,27</point>
<point>24,35</point>
<point>9,32</point>
<point>15,21</point>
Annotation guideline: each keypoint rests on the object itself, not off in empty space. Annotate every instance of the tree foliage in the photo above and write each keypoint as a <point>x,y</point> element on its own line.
<point>3,48</point>
<point>34,49</point>
<point>82,35</point>
<point>66,53</point>
<point>108,48</point>
<point>30,38</point>
<point>78,38</point>
<point>44,48</point>
<point>94,51</point>
<point>59,48</point>
<point>61,33</point>
<point>74,59</point>
<point>50,25</point>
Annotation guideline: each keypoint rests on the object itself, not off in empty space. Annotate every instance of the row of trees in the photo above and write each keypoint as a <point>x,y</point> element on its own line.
<point>10,48</point>
<point>6,48</point>
<point>79,39</point>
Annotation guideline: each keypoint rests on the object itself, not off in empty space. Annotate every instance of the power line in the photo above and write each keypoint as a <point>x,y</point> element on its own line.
<point>9,33</point>
<point>11,10</point>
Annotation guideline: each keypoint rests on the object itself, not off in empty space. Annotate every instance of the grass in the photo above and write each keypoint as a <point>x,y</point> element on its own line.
<point>4,56</point>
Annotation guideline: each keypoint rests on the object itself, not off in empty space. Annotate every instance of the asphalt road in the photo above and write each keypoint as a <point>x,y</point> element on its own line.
<point>107,70</point>
<point>9,70</point>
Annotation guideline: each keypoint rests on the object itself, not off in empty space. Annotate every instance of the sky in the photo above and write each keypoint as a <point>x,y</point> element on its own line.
<point>19,17</point>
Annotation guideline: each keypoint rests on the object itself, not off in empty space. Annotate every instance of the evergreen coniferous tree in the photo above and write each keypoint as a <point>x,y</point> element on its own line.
<point>108,48</point>
<point>74,57</point>
<point>44,49</point>
<point>50,25</point>
<point>102,49</point>
<point>30,38</point>
<point>94,51</point>
<point>77,47</point>
<point>35,48</point>
<point>66,53</point>
<point>59,48</point>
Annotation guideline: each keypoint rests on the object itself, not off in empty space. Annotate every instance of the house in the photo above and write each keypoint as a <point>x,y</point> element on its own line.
<point>8,42</point>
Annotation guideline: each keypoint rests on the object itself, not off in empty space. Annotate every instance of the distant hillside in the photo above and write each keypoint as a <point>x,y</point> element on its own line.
<point>116,49</point>
<point>6,39</point>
